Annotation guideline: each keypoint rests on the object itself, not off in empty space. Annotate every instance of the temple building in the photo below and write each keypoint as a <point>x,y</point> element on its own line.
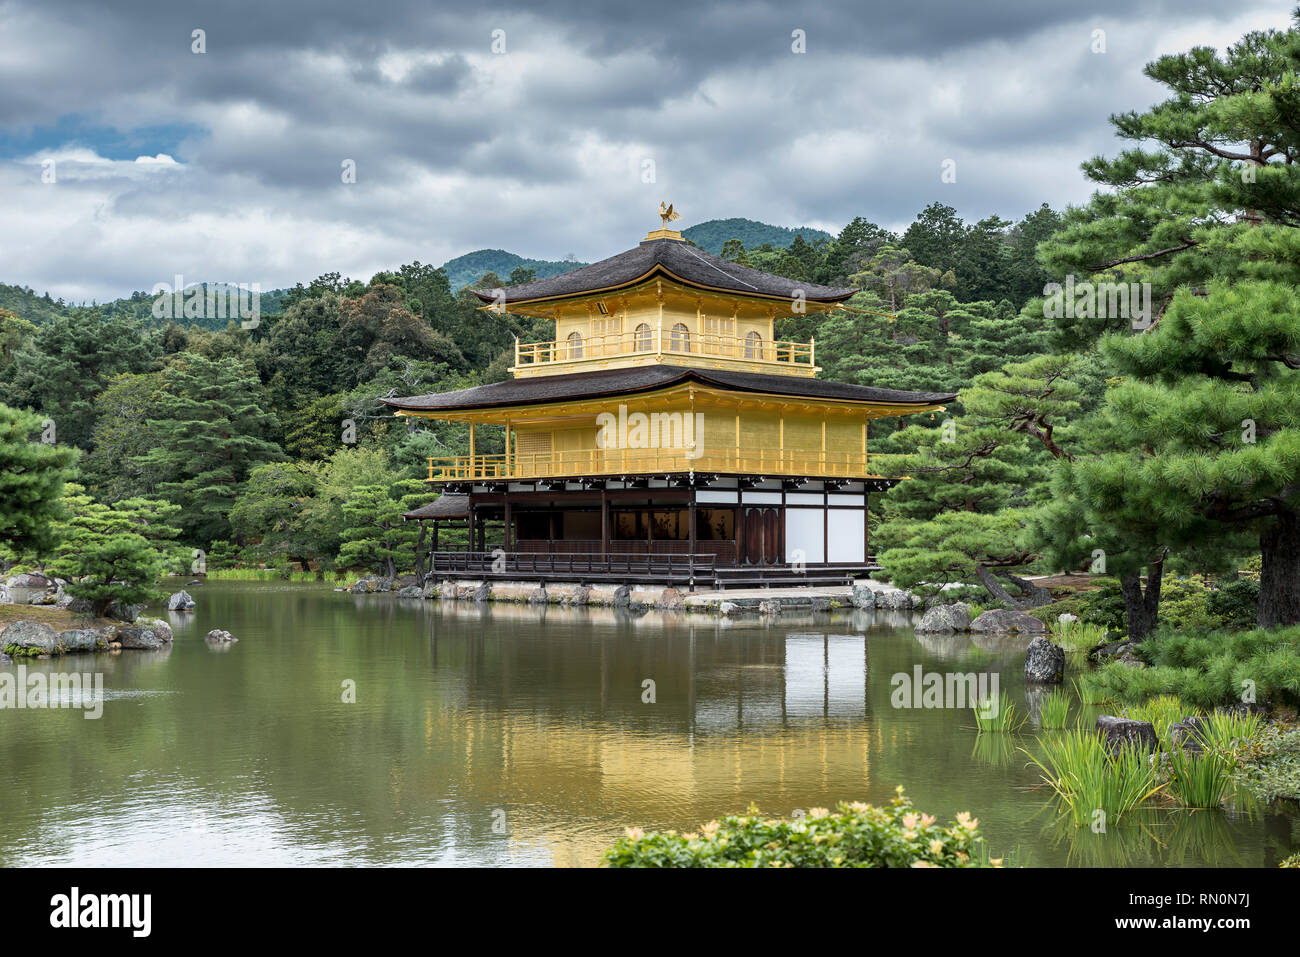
<point>664,435</point>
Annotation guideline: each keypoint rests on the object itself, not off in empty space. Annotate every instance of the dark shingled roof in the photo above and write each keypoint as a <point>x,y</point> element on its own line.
<point>675,258</point>
<point>616,382</point>
<point>447,505</point>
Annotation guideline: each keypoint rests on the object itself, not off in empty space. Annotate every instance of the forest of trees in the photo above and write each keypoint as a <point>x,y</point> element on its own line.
<point>1084,437</point>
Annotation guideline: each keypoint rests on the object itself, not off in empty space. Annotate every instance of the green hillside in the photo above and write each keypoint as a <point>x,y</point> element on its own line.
<point>26,304</point>
<point>469,268</point>
<point>711,235</point>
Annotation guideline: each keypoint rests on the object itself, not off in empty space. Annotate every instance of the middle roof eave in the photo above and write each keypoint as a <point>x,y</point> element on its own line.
<point>608,383</point>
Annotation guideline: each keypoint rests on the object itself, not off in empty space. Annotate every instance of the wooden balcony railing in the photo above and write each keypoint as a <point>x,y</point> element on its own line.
<point>600,462</point>
<point>658,341</point>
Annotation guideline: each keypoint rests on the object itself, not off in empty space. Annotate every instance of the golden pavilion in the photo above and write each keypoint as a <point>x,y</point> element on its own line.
<point>665,434</point>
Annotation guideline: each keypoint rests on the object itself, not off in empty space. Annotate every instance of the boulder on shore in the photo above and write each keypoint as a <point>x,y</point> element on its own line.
<point>30,638</point>
<point>670,600</point>
<point>1119,733</point>
<point>863,596</point>
<point>1005,620</point>
<point>181,601</point>
<point>81,639</point>
<point>1044,661</point>
<point>946,618</point>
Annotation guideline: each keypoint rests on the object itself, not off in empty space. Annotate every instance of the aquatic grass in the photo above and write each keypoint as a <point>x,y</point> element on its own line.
<point>1199,779</point>
<point>1054,712</point>
<point>1000,717</point>
<point>1230,732</point>
<point>1161,711</point>
<point>1089,691</point>
<point>1088,777</point>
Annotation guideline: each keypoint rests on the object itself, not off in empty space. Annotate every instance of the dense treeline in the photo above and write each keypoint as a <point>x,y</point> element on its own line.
<point>273,446</point>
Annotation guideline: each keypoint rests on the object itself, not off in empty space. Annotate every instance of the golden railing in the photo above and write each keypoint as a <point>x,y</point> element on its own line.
<point>657,341</point>
<point>588,462</point>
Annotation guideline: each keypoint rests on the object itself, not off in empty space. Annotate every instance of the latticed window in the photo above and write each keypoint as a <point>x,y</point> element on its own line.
<point>718,333</point>
<point>681,338</point>
<point>606,336</point>
<point>641,338</point>
<point>575,345</point>
<point>753,346</point>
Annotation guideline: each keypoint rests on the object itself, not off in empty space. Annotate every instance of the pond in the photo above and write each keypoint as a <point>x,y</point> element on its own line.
<point>518,735</point>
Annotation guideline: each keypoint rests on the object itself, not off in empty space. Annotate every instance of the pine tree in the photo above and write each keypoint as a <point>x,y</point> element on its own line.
<point>114,553</point>
<point>1205,419</point>
<point>212,433</point>
<point>32,477</point>
<point>375,536</point>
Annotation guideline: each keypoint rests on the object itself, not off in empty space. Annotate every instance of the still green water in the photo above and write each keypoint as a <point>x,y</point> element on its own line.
<point>513,735</point>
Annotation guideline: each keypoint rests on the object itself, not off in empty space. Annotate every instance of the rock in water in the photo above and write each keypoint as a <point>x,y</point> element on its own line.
<point>145,634</point>
<point>945,618</point>
<point>220,636</point>
<point>1118,733</point>
<point>769,608</point>
<point>1044,661</point>
<point>1003,621</point>
<point>181,601</point>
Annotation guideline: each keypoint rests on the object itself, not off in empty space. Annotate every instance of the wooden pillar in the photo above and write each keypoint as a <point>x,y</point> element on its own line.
<point>469,539</point>
<point>690,535</point>
<point>509,536</point>
<point>604,523</point>
<point>740,527</point>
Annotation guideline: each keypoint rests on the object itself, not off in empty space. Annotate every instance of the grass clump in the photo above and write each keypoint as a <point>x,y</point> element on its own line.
<point>998,717</point>
<point>1055,711</point>
<point>1087,777</point>
<point>1162,711</point>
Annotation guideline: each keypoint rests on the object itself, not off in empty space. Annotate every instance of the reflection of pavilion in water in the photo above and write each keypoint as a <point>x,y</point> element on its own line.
<point>821,676</point>
<point>743,713</point>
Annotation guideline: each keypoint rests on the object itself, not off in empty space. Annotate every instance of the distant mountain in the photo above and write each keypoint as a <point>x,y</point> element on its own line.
<point>711,235</point>
<point>469,268</point>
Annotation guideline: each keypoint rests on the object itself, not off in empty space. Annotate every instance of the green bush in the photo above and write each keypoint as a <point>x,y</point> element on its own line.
<point>854,835</point>
<point>1237,603</point>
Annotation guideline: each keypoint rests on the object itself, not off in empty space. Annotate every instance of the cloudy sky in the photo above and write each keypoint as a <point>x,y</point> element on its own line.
<point>534,126</point>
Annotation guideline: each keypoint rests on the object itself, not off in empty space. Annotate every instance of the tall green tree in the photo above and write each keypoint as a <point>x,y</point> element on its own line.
<point>211,433</point>
<point>32,477</point>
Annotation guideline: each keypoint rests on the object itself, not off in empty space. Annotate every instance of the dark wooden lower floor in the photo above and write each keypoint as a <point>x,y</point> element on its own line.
<point>743,534</point>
